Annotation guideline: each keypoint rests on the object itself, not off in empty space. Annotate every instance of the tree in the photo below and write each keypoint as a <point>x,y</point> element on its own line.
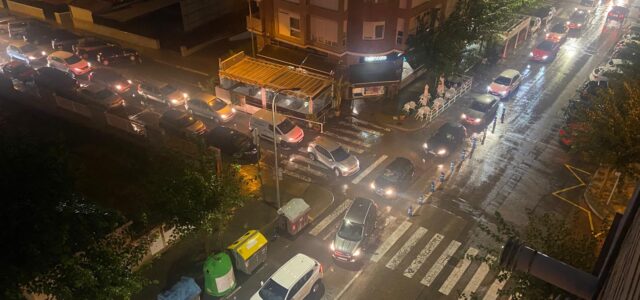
<point>550,235</point>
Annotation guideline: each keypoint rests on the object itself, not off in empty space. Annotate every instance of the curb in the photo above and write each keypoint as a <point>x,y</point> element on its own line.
<point>181,67</point>
<point>405,129</point>
<point>333,199</point>
<point>593,210</point>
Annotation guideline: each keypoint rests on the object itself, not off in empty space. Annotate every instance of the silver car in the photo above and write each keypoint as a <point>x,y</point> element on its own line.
<point>100,95</point>
<point>26,52</point>
<point>332,155</point>
<point>357,227</point>
<point>212,109</point>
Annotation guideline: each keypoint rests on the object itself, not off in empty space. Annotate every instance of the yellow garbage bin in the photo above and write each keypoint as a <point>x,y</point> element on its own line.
<point>249,251</point>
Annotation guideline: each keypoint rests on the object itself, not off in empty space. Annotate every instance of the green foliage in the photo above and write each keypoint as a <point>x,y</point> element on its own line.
<point>547,234</point>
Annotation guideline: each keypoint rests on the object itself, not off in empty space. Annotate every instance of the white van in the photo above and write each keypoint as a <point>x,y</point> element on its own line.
<point>295,280</point>
<point>286,131</point>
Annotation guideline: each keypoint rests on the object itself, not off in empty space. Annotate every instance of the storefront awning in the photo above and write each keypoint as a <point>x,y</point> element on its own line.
<point>273,76</point>
<point>371,73</point>
<point>296,58</point>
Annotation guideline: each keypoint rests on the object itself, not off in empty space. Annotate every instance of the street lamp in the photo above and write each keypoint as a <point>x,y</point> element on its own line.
<point>275,139</point>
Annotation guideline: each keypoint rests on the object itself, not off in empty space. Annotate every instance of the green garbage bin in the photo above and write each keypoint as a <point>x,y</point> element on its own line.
<point>219,279</point>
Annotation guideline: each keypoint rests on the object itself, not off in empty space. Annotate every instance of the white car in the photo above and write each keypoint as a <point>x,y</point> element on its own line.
<point>68,62</point>
<point>613,66</point>
<point>507,82</point>
<point>295,280</point>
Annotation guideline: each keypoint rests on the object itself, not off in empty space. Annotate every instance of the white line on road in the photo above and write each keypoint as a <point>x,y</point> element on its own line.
<point>369,169</point>
<point>410,243</point>
<point>462,266</point>
<point>423,255</point>
<point>392,239</point>
<point>440,263</point>
<point>344,289</point>
<point>492,292</point>
<point>478,277</point>
<point>328,219</point>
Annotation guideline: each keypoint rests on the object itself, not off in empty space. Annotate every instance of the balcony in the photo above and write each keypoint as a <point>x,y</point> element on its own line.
<point>254,24</point>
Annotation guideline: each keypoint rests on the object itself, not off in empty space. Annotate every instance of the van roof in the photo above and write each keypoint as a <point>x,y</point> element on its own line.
<point>358,210</point>
<point>293,270</point>
<point>267,116</point>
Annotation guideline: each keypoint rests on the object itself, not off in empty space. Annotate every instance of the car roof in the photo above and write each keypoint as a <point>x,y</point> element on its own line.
<point>173,114</point>
<point>620,8</point>
<point>484,98</point>
<point>61,54</point>
<point>266,115</point>
<point>94,87</point>
<point>289,273</point>
<point>509,73</point>
<point>358,210</point>
<point>326,143</point>
<point>399,163</point>
<point>18,43</point>
<point>449,126</point>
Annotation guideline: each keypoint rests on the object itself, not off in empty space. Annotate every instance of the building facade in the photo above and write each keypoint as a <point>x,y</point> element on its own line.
<point>362,40</point>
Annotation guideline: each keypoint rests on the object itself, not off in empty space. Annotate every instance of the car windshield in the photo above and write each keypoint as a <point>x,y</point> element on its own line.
<point>72,60</point>
<point>286,126</point>
<point>28,48</point>
<point>350,231</point>
<point>545,46</point>
<point>578,17</point>
<point>391,175</point>
<point>479,106</point>
<point>558,28</point>
<point>503,80</point>
<point>271,290</point>
<point>104,94</point>
<point>218,104</point>
<point>185,121</point>
<point>167,89</point>
<point>339,154</point>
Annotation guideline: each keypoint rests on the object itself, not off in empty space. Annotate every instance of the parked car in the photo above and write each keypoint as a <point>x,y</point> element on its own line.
<point>287,133</point>
<point>88,48</point>
<point>590,3</point>
<point>332,155</point>
<point>579,19</point>
<point>112,79</point>
<point>356,229</point>
<point>395,178</point>
<point>233,143</point>
<point>163,93</point>
<point>505,84</point>
<point>100,95</point>
<point>181,123</point>
<point>296,279</point>
<point>448,137</point>
<point>116,54</point>
<point>482,111</point>
<point>19,70</point>
<point>55,80</point>
<point>557,33</point>
<point>63,40</point>
<point>612,66</point>
<point>38,33</point>
<point>68,62</point>
<point>215,108</point>
<point>617,13</point>
<point>28,53</point>
<point>545,51</point>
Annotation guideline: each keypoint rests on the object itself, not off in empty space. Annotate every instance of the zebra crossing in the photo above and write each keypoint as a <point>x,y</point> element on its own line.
<point>441,263</point>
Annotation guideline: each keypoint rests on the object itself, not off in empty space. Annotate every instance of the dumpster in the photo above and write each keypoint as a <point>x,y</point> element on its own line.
<point>219,279</point>
<point>185,289</point>
<point>294,215</point>
<point>249,251</point>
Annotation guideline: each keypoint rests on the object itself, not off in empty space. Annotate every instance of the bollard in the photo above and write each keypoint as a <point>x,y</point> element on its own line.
<point>502,117</point>
<point>463,155</point>
<point>433,186</point>
<point>474,141</point>
<point>441,177</point>
<point>410,211</point>
<point>453,166</point>
<point>421,199</point>
<point>495,120</point>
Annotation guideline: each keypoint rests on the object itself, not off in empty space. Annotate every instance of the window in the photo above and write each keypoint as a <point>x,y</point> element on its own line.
<point>289,24</point>
<point>294,25</point>
<point>400,31</point>
<point>324,31</point>
<point>328,4</point>
<point>373,30</point>
<point>324,152</point>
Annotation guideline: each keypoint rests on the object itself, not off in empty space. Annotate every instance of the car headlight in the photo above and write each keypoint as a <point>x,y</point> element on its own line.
<point>579,25</point>
<point>545,56</point>
<point>89,64</point>
<point>224,116</point>
<point>129,81</point>
<point>389,192</point>
<point>31,57</point>
<point>118,87</point>
<point>442,151</point>
<point>233,110</point>
<point>478,120</point>
<point>503,93</point>
<point>568,22</point>
<point>488,88</point>
<point>185,95</point>
<point>44,52</point>
<point>373,185</point>
<point>546,35</point>
<point>332,247</point>
<point>174,101</point>
<point>291,139</point>
<point>530,54</point>
<point>463,116</point>
<point>357,252</point>
<point>425,146</point>
<point>343,167</point>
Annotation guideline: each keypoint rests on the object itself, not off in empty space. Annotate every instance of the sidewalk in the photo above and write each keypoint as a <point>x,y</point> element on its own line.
<point>186,257</point>
<point>601,197</point>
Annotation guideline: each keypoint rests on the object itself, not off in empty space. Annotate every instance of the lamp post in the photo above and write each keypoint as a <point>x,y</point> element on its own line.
<point>275,139</point>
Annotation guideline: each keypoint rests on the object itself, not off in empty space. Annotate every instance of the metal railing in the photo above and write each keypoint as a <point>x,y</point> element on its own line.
<point>464,87</point>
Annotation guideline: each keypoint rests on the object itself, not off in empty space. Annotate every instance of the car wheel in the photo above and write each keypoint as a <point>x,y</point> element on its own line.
<point>316,287</point>
<point>337,172</point>
<point>312,156</point>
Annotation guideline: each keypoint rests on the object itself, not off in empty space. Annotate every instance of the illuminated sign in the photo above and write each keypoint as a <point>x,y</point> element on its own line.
<point>374,58</point>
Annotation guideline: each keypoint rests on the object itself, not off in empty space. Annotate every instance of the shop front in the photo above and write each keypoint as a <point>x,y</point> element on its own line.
<point>373,79</point>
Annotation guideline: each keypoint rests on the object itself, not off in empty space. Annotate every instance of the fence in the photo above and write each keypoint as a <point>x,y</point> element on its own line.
<point>429,114</point>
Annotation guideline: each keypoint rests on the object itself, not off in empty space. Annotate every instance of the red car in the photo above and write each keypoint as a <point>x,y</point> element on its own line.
<point>568,132</point>
<point>557,34</point>
<point>545,51</point>
<point>18,70</point>
<point>579,19</point>
<point>618,13</point>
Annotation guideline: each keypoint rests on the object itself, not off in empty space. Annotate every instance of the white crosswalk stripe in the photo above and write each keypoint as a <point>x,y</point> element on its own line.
<point>492,292</point>
<point>410,243</point>
<point>392,239</point>
<point>423,255</point>
<point>440,263</point>
<point>477,278</point>
<point>457,272</point>
<point>366,172</point>
<point>331,217</point>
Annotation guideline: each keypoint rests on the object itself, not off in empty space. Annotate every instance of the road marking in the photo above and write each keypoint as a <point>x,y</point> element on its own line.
<point>440,263</point>
<point>492,292</point>
<point>369,169</point>
<point>410,243</point>
<point>344,289</point>
<point>329,219</point>
<point>393,238</point>
<point>462,266</point>
<point>477,278</point>
<point>423,255</point>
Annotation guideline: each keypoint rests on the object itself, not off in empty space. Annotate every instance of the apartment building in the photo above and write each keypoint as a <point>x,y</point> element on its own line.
<point>361,41</point>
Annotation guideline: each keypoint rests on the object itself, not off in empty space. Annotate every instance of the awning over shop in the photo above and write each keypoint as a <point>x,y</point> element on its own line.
<point>272,76</point>
<point>296,58</point>
<point>382,72</point>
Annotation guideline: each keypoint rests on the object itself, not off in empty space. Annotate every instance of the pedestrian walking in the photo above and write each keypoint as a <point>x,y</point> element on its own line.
<point>441,177</point>
<point>433,186</point>
<point>410,211</point>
